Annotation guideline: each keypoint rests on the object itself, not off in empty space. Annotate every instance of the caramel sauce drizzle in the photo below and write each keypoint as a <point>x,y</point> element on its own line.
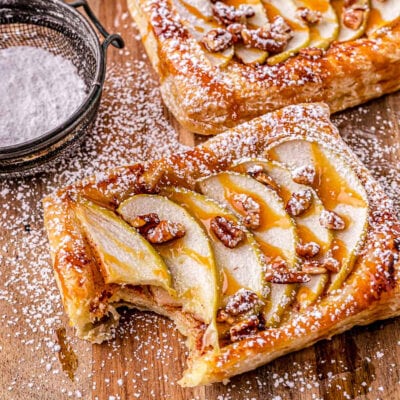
<point>375,19</point>
<point>331,187</point>
<point>193,10</point>
<point>232,284</point>
<point>174,249</point>
<point>317,5</point>
<point>307,235</point>
<point>269,218</point>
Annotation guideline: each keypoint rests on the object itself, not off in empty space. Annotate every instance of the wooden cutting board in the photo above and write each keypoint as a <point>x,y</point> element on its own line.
<point>39,356</point>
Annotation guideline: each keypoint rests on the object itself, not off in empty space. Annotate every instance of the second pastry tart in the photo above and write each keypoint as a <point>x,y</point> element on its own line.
<point>223,62</point>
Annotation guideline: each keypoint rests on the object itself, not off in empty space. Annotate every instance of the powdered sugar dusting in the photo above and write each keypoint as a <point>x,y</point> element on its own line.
<point>131,127</point>
<point>376,143</point>
<point>38,92</point>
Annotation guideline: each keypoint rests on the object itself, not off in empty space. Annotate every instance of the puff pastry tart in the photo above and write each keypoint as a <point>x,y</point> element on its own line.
<point>260,242</point>
<point>223,62</point>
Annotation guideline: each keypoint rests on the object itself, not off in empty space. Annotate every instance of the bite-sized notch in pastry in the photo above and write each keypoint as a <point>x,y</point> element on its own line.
<point>259,242</point>
<point>223,62</point>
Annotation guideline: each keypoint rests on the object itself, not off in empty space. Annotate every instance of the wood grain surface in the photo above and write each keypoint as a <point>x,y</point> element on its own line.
<point>41,359</point>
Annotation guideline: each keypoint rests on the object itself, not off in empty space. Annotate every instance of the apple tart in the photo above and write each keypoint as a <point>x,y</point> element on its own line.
<point>223,62</point>
<point>261,241</point>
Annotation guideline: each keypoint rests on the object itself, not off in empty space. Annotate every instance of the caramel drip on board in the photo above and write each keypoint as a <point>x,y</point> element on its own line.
<point>68,358</point>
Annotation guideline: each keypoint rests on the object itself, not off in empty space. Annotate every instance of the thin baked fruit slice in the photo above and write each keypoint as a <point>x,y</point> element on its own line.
<point>156,206</point>
<point>120,250</point>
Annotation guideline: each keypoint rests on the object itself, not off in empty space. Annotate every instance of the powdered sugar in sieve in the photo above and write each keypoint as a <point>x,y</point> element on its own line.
<point>38,92</point>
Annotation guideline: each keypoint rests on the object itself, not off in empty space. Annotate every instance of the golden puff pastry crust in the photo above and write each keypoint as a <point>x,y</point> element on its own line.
<point>370,292</point>
<point>208,100</point>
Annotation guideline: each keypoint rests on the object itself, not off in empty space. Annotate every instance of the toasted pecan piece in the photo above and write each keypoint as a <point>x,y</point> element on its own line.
<point>308,250</point>
<point>250,208</point>
<point>299,202</point>
<point>245,328</point>
<point>331,220</point>
<point>164,232</point>
<point>304,175</point>
<point>227,231</point>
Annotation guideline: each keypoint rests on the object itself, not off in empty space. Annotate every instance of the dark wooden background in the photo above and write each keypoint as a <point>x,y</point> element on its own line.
<point>39,360</point>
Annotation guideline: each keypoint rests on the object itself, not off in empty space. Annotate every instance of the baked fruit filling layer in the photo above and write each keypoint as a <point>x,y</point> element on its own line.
<point>250,248</point>
<point>270,31</point>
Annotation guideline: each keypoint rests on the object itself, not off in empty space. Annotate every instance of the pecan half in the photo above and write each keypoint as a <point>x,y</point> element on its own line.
<point>312,17</point>
<point>272,38</point>
<point>353,18</point>
<point>217,40</point>
<point>299,202</point>
<point>313,268</point>
<point>143,223</point>
<point>304,175</point>
<point>227,231</point>
<point>308,250</point>
<point>331,220</point>
<point>249,207</point>
<point>286,277</point>
<point>236,31</point>
<point>229,15</point>
<point>243,301</point>
<point>279,272</point>
<point>331,264</point>
<point>164,232</point>
<point>245,328</point>
<point>257,172</point>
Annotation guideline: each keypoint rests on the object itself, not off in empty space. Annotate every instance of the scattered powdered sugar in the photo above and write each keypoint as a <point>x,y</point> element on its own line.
<point>375,143</point>
<point>38,91</point>
<point>133,126</point>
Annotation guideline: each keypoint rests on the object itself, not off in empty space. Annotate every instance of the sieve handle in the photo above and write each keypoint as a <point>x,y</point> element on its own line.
<point>114,39</point>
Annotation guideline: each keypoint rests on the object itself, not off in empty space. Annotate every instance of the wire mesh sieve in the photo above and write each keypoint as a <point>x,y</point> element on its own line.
<point>57,27</point>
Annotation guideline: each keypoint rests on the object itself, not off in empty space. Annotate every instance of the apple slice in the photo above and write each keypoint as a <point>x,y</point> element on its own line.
<point>199,20</point>
<point>123,255</point>
<point>308,226</point>
<point>242,266</point>
<point>301,34</point>
<point>276,235</point>
<point>382,13</point>
<point>190,258</point>
<point>326,31</point>
<point>361,14</point>
<point>340,191</point>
